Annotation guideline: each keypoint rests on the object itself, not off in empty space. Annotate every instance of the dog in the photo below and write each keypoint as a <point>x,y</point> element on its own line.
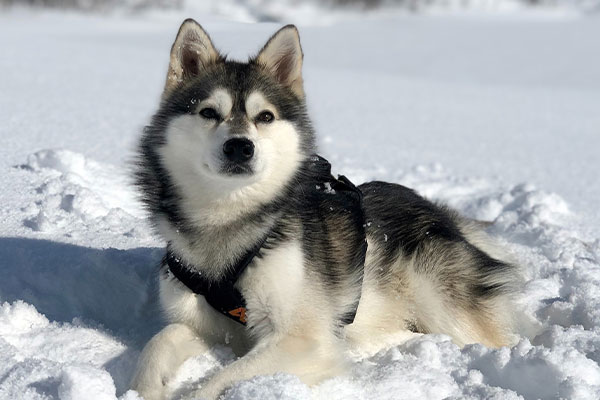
<point>271,255</point>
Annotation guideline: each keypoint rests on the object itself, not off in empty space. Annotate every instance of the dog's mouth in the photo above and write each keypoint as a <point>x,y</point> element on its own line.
<point>237,169</point>
<point>228,169</point>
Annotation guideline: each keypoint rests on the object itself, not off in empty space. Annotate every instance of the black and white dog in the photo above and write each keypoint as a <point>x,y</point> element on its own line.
<point>269,253</point>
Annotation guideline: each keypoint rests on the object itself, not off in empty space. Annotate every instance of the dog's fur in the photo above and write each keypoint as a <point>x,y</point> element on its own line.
<point>427,269</point>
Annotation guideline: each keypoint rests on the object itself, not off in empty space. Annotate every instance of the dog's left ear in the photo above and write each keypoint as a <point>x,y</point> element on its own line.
<point>282,57</point>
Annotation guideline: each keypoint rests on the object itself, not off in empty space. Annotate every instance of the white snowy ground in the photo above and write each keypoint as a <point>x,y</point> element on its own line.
<point>497,115</point>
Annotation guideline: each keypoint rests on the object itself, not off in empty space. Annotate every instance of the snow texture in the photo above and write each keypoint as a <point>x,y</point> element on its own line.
<point>496,116</point>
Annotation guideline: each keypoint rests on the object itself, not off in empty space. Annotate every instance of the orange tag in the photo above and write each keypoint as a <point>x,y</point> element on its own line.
<point>239,313</point>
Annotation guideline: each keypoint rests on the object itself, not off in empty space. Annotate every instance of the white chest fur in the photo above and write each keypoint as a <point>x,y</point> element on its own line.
<point>273,287</point>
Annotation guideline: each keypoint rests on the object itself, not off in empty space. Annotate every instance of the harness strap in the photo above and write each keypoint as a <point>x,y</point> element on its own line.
<point>221,295</point>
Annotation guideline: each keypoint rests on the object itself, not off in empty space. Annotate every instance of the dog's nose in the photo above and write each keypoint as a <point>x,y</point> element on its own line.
<point>238,150</point>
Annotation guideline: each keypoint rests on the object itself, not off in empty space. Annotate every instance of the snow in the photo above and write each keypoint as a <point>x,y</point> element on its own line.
<point>495,115</point>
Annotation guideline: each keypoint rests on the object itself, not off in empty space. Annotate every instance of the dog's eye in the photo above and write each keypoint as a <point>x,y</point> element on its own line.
<point>210,113</point>
<point>265,117</point>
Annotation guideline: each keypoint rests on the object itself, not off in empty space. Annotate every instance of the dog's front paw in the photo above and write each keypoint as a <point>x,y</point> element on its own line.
<point>149,384</point>
<point>207,392</point>
<point>151,393</point>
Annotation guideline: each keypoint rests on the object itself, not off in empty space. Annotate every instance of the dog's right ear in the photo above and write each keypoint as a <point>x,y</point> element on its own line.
<point>191,52</point>
<point>282,57</point>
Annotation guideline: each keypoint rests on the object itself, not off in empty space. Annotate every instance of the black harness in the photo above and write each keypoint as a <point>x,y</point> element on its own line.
<point>222,295</point>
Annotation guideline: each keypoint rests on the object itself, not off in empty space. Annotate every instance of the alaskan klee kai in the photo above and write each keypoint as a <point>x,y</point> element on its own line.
<point>270,254</point>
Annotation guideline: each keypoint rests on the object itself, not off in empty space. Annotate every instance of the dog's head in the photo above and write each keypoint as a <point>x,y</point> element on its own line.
<point>230,130</point>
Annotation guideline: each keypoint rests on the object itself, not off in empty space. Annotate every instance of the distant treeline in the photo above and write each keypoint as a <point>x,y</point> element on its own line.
<point>93,5</point>
<point>133,5</point>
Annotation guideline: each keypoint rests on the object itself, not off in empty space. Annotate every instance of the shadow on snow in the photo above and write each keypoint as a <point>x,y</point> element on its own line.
<point>108,289</point>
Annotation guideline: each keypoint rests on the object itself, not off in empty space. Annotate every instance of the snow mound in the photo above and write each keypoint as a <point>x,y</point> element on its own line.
<point>84,382</point>
<point>79,196</point>
<point>41,359</point>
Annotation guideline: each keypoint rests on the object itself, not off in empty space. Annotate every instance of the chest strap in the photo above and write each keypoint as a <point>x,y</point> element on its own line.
<point>221,295</point>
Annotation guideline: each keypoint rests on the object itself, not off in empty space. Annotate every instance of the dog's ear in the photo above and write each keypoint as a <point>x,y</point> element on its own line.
<point>191,52</point>
<point>282,57</point>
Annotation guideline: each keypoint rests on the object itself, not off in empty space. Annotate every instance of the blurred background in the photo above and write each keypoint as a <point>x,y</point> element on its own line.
<point>296,10</point>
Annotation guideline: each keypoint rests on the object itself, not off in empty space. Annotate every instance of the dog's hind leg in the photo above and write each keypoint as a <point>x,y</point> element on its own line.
<point>383,315</point>
<point>460,291</point>
<point>161,358</point>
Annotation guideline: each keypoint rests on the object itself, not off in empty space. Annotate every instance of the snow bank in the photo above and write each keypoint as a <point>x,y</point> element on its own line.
<point>78,189</point>
<point>42,359</point>
<point>85,382</point>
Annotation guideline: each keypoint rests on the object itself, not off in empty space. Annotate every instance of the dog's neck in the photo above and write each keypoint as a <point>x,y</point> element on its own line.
<point>214,248</point>
<point>212,244</point>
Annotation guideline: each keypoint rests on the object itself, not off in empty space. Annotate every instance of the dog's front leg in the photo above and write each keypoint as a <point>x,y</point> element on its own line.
<point>310,360</point>
<point>161,358</point>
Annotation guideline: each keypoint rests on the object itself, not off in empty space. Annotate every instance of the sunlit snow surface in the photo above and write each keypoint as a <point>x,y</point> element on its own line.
<point>497,116</point>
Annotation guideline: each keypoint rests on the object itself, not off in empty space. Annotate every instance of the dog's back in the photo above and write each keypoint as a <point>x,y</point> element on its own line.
<point>429,273</point>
